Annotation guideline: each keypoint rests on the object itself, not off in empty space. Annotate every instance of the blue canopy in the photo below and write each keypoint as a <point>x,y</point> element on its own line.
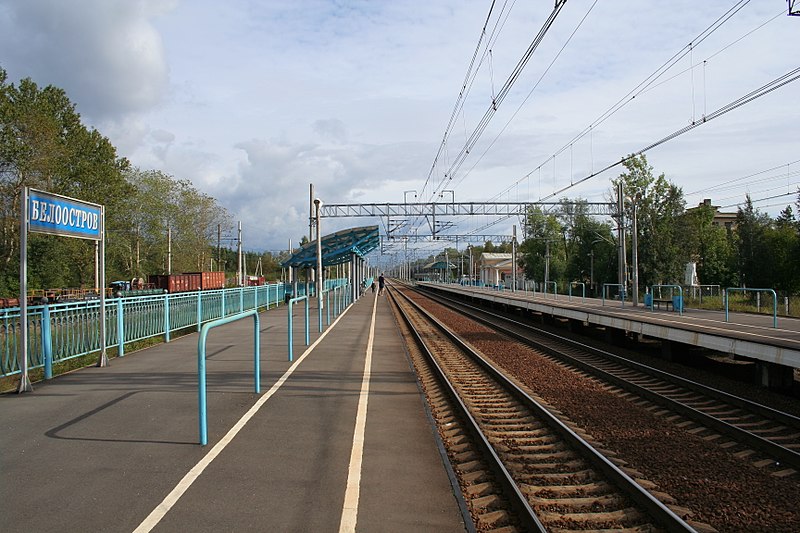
<point>337,248</point>
<point>441,265</point>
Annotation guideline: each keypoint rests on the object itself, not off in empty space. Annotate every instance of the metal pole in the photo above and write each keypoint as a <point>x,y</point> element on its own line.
<point>310,212</point>
<point>546,264</point>
<point>96,264</point>
<point>320,306</point>
<point>310,271</point>
<point>289,273</point>
<point>239,277</point>
<point>514,258</point>
<point>635,258</point>
<point>103,361</point>
<point>169,250</point>
<point>471,268</point>
<point>138,237</point>
<point>24,381</point>
<point>622,267</point>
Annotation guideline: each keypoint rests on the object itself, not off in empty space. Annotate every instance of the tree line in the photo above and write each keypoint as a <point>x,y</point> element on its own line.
<point>570,244</point>
<point>45,145</point>
<point>754,251</point>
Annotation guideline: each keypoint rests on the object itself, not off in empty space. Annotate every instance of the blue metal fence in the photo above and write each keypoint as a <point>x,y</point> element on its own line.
<point>63,331</point>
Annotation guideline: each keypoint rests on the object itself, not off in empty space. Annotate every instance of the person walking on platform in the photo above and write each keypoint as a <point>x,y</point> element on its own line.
<point>381,284</point>
<point>373,286</point>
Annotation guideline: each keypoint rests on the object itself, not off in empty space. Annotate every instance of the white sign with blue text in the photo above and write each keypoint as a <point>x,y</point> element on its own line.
<point>60,215</point>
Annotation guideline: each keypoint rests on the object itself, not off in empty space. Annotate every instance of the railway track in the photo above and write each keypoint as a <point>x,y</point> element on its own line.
<point>770,437</point>
<point>533,472</point>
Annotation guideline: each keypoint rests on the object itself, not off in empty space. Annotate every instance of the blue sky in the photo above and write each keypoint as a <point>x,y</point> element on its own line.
<point>254,100</point>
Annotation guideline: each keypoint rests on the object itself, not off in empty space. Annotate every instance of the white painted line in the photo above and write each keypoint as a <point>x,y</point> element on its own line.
<point>183,485</point>
<point>351,495</point>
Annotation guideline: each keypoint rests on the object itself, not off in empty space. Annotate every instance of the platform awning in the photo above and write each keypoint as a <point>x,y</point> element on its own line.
<point>337,248</point>
<point>442,265</point>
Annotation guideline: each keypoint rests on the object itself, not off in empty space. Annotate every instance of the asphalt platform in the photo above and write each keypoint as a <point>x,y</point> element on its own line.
<point>116,448</point>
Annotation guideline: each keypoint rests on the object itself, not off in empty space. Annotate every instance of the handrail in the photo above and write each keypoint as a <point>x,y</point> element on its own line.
<point>291,302</point>
<point>320,305</point>
<point>774,302</point>
<point>201,364</point>
<point>555,289</point>
<point>680,292</point>
<point>621,293</point>
<point>136,317</point>
<point>583,287</point>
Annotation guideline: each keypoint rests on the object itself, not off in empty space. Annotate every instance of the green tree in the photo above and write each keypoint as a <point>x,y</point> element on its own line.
<point>43,144</point>
<point>751,244</point>
<point>543,248</point>
<point>659,205</point>
<point>708,245</point>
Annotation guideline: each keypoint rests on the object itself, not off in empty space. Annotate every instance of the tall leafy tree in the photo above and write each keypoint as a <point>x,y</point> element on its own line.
<point>659,205</point>
<point>751,231</point>
<point>160,206</point>
<point>543,248</point>
<point>708,245</point>
<point>43,144</point>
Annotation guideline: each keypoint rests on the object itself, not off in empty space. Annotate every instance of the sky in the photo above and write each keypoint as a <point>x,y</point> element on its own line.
<point>252,101</point>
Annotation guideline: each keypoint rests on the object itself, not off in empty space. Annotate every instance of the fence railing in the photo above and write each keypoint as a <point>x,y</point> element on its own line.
<point>63,331</point>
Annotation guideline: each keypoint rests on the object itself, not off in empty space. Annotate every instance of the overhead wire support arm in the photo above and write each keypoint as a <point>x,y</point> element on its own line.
<point>424,209</point>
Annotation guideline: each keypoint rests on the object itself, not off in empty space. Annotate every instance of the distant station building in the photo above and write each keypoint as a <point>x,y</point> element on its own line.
<point>436,271</point>
<point>495,268</point>
<point>724,220</point>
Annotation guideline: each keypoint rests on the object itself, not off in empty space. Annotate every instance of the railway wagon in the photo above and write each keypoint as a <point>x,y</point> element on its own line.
<point>210,280</point>
<point>190,281</point>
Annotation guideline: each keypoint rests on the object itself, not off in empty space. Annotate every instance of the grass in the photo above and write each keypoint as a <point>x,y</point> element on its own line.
<point>740,305</point>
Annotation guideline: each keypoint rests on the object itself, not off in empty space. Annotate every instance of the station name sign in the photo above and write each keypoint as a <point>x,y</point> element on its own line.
<point>60,215</point>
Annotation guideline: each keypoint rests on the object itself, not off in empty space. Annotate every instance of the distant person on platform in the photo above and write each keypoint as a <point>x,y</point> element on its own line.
<point>373,286</point>
<point>381,284</point>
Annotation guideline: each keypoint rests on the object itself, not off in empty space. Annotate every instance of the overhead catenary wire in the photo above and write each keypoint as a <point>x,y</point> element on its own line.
<point>775,84</point>
<point>501,95</point>
<point>642,86</point>
<point>524,101</point>
<point>461,95</point>
<point>647,84</point>
<point>763,200</point>
<point>720,186</point>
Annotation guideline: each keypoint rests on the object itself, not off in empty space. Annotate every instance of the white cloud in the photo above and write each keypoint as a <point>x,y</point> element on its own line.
<point>107,55</point>
<point>252,101</point>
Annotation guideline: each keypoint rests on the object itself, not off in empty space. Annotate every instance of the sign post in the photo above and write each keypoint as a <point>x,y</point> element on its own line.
<point>45,212</point>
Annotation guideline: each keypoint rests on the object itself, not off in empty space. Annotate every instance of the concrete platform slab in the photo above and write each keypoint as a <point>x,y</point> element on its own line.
<point>100,448</point>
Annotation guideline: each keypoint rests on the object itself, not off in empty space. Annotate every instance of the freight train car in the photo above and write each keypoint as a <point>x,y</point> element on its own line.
<point>188,282</point>
<point>210,280</point>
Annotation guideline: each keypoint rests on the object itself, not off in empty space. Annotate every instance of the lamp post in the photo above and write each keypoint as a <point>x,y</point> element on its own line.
<point>317,207</point>
<point>546,263</point>
<point>591,264</point>
<point>622,265</point>
<point>634,253</point>
<point>514,259</point>
<point>471,276</point>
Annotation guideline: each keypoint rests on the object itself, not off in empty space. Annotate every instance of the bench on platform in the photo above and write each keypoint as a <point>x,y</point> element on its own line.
<point>658,302</point>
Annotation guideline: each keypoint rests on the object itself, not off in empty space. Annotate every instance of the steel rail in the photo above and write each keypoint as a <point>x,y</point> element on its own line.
<point>779,452</point>
<point>656,509</point>
<point>517,500</point>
